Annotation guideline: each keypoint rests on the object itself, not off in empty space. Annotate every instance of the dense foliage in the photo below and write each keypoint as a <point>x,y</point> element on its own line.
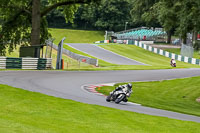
<point>107,15</point>
<point>179,16</point>
<point>24,21</point>
<point>19,22</point>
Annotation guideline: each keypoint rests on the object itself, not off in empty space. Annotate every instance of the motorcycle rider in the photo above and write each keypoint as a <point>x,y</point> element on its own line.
<point>173,63</point>
<point>127,86</point>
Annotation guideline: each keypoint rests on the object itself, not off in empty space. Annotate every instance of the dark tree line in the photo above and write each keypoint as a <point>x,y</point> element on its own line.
<point>175,16</point>
<point>108,15</point>
<point>25,21</point>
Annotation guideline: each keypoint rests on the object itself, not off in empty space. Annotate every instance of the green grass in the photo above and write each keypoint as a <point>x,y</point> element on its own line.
<point>176,95</point>
<point>139,54</point>
<point>23,111</point>
<point>76,36</point>
<point>178,51</point>
<point>79,36</point>
<point>15,53</point>
<point>101,62</point>
<point>152,60</point>
<point>69,63</point>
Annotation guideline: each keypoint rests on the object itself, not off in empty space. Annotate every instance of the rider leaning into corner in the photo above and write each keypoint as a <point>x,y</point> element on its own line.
<point>173,62</point>
<point>126,86</point>
<point>121,93</point>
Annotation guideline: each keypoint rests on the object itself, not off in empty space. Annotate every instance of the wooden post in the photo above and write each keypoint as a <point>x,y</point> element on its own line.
<point>62,60</point>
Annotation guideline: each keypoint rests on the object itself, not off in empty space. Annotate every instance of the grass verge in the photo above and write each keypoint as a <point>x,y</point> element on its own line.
<point>176,95</point>
<point>76,36</point>
<point>102,63</point>
<point>153,60</point>
<point>69,63</point>
<point>24,111</point>
<point>144,56</point>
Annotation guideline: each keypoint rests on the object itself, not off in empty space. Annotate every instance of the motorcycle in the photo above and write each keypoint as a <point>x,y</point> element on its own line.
<point>120,95</point>
<point>173,63</point>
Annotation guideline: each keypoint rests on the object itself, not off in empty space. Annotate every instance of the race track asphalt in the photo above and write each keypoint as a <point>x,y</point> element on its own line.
<point>68,85</point>
<point>104,54</point>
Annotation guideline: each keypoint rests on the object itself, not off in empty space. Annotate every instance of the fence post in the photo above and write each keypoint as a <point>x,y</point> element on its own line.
<point>62,62</point>
<point>59,54</point>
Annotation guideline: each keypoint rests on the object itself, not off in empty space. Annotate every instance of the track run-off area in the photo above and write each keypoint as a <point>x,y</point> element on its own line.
<point>104,54</point>
<point>70,85</point>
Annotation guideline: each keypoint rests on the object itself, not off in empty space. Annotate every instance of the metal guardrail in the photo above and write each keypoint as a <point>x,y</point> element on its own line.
<point>78,57</point>
<point>25,63</point>
<point>161,52</point>
<point>168,54</point>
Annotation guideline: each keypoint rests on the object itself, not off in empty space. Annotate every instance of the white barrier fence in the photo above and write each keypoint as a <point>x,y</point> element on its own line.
<point>2,62</point>
<point>25,63</point>
<point>161,52</point>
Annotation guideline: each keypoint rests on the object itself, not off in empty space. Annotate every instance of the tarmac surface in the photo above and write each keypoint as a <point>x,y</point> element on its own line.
<point>104,54</point>
<point>69,85</point>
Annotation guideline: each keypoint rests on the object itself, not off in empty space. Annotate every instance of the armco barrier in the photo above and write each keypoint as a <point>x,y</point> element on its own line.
<point>162,52</point>
<point>30,63</point>
<point>25,63</point>
<point>44,63</point>
<point>168,54</point>
<point>2,62</point>
<point>78,57</point>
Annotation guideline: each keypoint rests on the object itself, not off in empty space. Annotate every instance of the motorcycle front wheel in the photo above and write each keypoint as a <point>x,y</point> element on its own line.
<point>120,98</point>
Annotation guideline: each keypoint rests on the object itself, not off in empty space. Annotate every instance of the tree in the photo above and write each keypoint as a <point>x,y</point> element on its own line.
<point>143,14</point>
<point>166,12</point>
<point>56,19</point>
<point>182,16</point>
<point>108,15</point>
<point>24,20</point>
<point>189,20</point>
<point>111,14</point>
<point>86,16</point>
<point>155,13</point>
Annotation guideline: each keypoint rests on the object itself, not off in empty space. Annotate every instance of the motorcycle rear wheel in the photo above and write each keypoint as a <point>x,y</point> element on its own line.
<point>108,98</point>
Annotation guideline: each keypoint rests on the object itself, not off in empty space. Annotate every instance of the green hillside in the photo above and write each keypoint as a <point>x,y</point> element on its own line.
<point>151,59</point>
<point>76,36</point>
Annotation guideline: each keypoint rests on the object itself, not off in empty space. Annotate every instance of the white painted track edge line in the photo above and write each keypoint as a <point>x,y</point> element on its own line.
<point>89,54</point>
<point>121,55</point>
<point>100,94</point>
<point>108,51</point>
